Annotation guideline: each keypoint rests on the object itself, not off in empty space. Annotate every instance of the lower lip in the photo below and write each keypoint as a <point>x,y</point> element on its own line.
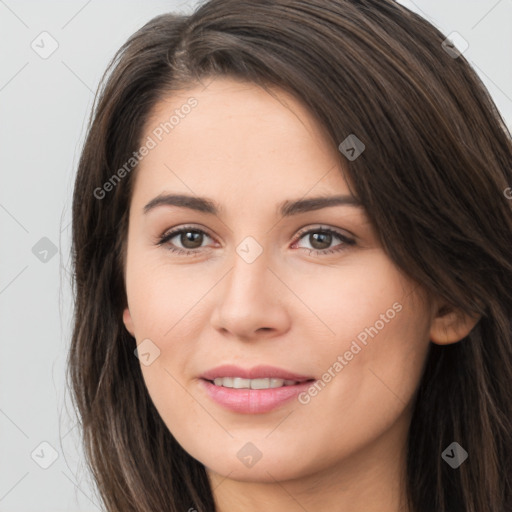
<point>253,401</point>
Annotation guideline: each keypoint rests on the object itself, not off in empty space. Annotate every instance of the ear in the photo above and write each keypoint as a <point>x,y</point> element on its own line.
<point>128,322</point>
<point>451,325</point>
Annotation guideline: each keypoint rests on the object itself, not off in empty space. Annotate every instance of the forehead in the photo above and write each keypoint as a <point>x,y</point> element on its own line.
<point>234,137</point>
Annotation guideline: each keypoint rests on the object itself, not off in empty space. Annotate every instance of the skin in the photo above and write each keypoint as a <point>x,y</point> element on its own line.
<point>249,150</point>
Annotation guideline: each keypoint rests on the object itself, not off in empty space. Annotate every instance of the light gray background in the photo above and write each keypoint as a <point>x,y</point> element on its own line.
<point>44,107</point>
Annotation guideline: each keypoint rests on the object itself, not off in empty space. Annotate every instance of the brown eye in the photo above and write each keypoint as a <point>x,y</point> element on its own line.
<point>320,240</point>
<point>186,240</point>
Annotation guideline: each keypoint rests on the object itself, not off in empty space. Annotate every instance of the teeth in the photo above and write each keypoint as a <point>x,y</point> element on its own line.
<point>239,383</point>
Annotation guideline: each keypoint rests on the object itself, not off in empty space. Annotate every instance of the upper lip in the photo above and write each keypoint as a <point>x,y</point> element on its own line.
<point>257,372</point>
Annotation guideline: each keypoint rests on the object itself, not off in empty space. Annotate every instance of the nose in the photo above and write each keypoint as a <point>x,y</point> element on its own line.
<point>251,302</point>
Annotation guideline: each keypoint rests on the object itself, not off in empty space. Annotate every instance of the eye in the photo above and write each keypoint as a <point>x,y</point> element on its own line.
<point>321,238</point>
<point>190,238</point>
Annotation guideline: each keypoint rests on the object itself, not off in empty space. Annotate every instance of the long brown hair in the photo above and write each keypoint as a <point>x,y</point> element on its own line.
<point>432,177</point>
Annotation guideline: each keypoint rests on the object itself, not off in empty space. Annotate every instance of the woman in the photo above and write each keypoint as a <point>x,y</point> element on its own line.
<point>293,271</point>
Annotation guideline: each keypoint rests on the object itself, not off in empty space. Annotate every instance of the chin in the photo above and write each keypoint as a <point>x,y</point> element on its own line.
<point>258,462</point>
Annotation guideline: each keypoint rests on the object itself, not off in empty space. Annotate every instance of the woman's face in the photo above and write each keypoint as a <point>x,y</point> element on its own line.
<point>288,294</point>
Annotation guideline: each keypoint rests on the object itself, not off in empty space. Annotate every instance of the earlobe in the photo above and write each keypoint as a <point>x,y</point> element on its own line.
<point>451,325</point>
<point>128,323</point>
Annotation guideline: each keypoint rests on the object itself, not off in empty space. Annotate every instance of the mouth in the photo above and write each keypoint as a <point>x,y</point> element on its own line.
<point>253,391</point>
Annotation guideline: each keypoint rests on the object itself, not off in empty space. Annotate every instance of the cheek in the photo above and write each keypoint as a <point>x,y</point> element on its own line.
<point>163,297</point>
<point>371,344</point>
<point>346,300</point>
<point>166,308</point>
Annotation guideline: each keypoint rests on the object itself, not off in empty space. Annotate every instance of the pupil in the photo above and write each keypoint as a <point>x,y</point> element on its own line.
<point>321,238</point>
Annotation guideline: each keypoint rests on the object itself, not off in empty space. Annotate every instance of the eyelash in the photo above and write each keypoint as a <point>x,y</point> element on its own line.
<point>346,241</point>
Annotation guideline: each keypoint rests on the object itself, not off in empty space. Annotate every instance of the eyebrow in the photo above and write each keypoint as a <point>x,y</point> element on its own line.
<point>286,208</point>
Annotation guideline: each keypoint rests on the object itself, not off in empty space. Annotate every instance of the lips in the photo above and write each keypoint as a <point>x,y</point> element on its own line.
<point>252,391</point>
